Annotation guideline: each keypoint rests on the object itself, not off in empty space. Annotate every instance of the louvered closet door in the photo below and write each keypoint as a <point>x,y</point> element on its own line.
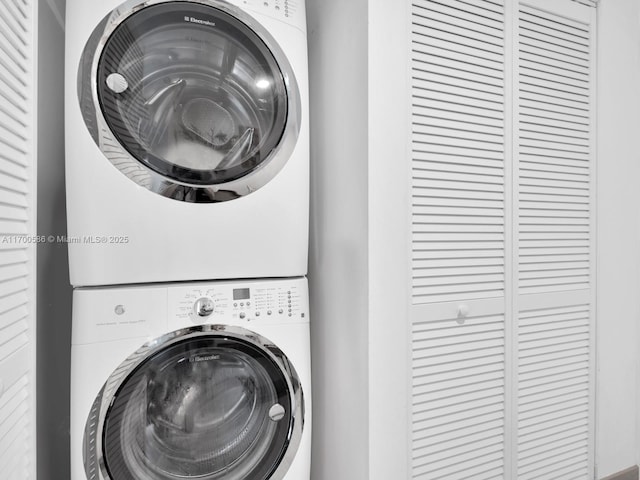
<point>554,308</point>
<point>17,247</point>
<point>502,222</point>
<point>458,265</point>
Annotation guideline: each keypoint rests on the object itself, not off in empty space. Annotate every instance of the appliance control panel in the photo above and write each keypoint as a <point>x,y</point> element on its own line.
<point>110,314</point>
<point>265,302</point>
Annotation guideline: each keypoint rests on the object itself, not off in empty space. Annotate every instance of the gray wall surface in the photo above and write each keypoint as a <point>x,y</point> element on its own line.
<point>338,260</point>
<point>618,230</point>
<point>53,289</point>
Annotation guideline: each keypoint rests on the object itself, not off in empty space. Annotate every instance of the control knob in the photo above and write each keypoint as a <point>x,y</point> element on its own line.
<point>203,307</point>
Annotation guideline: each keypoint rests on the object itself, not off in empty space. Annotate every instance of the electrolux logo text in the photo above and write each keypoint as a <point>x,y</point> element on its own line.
<point>203,358</point>
<point>199,22</point>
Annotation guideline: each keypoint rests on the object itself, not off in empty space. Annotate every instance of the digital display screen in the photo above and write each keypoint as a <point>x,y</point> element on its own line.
<point>240,293</point>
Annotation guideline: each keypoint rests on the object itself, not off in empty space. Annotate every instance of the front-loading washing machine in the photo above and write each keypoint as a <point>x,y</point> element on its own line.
<point>187,148</point>
<point>191,381</point>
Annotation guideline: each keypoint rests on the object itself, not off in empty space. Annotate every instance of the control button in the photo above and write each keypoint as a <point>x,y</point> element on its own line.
<point>242,315</point>
<point>257,314</point>
<point>302,315</point>
<point>242,304</point>
<point>280,311</point>
<point>289,313</point>
<point>119,309</point>
<point>203,307</point>
<point>268,312</point>
<point>235,304</point>
<point>248,304</point>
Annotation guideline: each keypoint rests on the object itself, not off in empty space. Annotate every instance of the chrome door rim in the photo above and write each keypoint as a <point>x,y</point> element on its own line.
<point>93,454</point>
<point>144,176</point>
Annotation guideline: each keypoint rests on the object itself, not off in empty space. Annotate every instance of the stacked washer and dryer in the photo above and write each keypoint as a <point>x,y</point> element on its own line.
<point>187,203</point>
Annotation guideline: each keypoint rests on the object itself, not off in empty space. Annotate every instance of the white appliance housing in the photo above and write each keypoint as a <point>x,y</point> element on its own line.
<point>111,324</point>
<point>166,182</point>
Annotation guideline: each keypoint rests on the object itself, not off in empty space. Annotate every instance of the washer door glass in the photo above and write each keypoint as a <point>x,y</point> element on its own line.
<point>192,93</point>
<point>206,408</point>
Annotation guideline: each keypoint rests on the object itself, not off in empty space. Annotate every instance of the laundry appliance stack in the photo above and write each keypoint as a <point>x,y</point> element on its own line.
<point>187,163</point>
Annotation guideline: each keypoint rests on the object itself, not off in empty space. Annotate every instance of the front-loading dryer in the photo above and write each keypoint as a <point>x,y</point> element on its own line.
<point>187,150</point>
<point>206,381</point>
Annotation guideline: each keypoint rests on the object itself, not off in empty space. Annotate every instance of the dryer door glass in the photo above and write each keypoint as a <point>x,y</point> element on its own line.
<point>192,93</point>
<point>206,408</point>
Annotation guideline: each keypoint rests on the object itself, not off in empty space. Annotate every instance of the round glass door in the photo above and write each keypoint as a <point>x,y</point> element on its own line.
<point>192,93</point>
<point>208,407</point>
<point>189,94</point>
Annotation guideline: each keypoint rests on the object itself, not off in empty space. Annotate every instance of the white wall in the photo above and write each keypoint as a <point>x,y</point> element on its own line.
<point>54,292</point>
<point>360,175</point>
<point>338,269</point>
<point>389,231</point>
<point>618,308</point>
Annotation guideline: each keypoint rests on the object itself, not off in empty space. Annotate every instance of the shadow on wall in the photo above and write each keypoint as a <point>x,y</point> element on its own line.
<point>53,289</point>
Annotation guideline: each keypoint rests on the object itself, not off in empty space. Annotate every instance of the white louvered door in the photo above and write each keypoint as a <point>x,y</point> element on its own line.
<point>554,306</point>
<point>502,239</point>
<point>17,239</point>
<point>459,232</point>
